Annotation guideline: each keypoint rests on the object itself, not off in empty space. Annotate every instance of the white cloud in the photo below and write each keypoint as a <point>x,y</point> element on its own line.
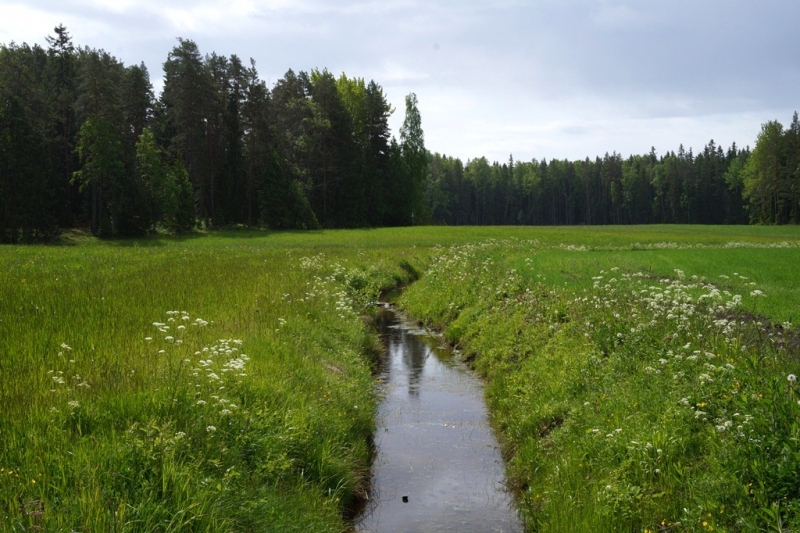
<point>21,23</point>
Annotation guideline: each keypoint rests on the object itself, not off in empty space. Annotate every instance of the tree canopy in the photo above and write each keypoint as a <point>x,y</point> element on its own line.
<point>84,141</point>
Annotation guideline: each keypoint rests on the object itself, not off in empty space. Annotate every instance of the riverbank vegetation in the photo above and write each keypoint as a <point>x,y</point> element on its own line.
<point>223,381</point>
<point>635,387</point>
<point>220,383</point>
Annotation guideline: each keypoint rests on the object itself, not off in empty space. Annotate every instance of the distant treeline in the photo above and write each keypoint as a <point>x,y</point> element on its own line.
<point>85,142</point>
<point>712,187</point>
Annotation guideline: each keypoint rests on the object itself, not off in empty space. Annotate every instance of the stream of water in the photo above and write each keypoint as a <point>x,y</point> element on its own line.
<point>438,467</point>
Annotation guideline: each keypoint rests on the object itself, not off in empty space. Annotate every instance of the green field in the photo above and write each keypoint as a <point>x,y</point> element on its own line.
<point>223,381</point>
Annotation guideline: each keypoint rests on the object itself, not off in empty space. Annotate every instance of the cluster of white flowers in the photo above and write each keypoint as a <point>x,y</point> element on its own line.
<point>222,365</point>
<point>694,246</point>
<point>315,262</point>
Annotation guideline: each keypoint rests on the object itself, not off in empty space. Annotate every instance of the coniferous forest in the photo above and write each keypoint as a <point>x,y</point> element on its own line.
<point>85,142</point>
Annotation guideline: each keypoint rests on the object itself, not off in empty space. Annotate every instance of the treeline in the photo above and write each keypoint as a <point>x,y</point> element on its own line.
<point>84,142</point>
<point>715,186</point>
<point>642,189</point>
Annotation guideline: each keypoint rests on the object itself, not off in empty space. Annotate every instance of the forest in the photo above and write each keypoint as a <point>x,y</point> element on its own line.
<point>85,142</point>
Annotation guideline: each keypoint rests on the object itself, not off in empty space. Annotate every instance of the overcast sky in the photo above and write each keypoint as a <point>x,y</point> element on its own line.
<point>544,79</point>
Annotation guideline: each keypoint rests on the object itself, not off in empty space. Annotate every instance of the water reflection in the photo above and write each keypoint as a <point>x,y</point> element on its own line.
<point>414,356</point>
<point>435,447</point>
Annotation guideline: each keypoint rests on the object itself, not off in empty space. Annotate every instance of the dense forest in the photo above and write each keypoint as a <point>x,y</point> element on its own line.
<point>714,186</point>
<point>85,142</point>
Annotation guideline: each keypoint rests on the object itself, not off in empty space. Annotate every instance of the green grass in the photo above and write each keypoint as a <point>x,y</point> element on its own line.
<point>630,396</point>
<point>110,433</point>
<point>102,430</point>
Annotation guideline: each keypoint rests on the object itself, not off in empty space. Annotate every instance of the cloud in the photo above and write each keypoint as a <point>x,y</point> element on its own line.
<point>548,78</point>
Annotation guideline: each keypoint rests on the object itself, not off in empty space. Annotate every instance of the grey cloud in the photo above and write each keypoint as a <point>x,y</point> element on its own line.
<point>509,73</point>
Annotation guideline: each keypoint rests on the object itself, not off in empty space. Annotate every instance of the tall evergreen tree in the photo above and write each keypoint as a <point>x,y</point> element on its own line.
<point>186,96</point>
<point>412,143</point>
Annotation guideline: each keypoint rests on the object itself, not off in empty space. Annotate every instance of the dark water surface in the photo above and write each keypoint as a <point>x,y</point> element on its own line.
<point>435,446</point>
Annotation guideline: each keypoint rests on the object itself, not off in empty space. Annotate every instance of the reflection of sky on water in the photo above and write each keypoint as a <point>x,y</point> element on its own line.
<point>434,445</point>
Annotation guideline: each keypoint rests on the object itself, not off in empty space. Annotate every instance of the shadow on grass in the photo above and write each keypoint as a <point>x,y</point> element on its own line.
<point>74,237</point>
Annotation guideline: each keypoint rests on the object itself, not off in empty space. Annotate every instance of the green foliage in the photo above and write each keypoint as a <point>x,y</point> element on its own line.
<point>629,394</point>
<point>168,187</point>
<point>183,207</point>
<point>412,144</point>
<point>100,153</point>
<point>121,411</point>
<point>770,177</point>
<point>319,143</point>
<point>27,198</point>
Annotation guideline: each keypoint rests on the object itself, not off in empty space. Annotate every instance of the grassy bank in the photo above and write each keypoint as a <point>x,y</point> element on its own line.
<point>222,382</point>
<point>637,381</point>
<point>217,383</point>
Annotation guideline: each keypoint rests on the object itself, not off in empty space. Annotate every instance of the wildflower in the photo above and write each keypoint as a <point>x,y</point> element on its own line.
<point>211,429</point>
<point>148,339</point>
<point>74,404</point>
<point>201,402</point>
<point>792,378</point>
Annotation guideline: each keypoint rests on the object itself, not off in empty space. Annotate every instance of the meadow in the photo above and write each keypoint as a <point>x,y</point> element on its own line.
<point>640,386</point>
<point>638,377</point>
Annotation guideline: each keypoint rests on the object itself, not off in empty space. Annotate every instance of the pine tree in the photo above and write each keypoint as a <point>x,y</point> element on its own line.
<point>412,143</point>
<point>185,99</point>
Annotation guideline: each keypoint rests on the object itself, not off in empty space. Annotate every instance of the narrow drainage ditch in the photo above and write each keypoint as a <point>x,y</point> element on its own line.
<point>438,467</point>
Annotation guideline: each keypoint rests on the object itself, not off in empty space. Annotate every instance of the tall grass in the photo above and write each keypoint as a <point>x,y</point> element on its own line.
<point>223,382</point>
<point>629,399</point>
<point>214,384</point>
